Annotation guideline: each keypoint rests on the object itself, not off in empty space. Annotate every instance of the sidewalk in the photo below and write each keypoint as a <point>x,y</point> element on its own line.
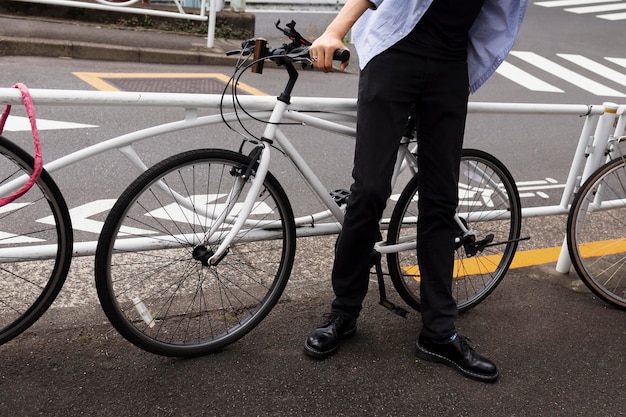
<point>559,353</point>
<point>49,37</point>
<point>27,29</point>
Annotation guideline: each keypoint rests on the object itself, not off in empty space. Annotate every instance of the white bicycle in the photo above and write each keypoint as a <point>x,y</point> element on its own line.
<point>199,248</point>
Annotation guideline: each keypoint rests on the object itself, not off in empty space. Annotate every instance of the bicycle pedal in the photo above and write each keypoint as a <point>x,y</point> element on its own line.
<point>340,196</point>
<point>393,308</point>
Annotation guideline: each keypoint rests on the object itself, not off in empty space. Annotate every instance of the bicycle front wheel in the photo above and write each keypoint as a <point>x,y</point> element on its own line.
<point>490,212</point>
<point>152,275</point>
<point>595,232</point>
<point>35,244</point>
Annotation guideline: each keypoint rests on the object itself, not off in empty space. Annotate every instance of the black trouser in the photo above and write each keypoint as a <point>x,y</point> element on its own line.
<point>389,86</point>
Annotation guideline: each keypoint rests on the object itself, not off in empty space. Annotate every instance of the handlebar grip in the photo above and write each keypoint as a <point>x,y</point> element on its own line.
<point>342,55</point>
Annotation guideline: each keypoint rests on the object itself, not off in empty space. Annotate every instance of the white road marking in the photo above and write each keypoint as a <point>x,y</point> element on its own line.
<point>22,124</point>
<point>567,74</point>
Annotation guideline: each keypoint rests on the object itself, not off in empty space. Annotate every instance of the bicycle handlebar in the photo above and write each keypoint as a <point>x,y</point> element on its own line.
<point>297,51</point>
<point>287,55</point>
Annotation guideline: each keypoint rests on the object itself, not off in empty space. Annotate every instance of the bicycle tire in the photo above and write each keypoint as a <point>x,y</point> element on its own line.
<point>595,239</point>
<point>485,211</point>
<point>29,284</point>
<point>193,309</point>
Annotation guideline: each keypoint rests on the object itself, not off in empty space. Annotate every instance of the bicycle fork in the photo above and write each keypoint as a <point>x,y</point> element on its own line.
<point>256,172</point>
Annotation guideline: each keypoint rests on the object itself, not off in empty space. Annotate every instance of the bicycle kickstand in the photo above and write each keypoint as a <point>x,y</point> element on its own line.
<point>381,288</point>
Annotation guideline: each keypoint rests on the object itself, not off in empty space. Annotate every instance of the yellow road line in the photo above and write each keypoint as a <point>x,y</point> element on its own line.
<point>486,264</point>
<point>98,79</point>
<point>94,80</point>
<point>605,247</point>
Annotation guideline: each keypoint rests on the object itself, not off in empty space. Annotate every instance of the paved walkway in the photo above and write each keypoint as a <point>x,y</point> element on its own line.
<point>55,38</point>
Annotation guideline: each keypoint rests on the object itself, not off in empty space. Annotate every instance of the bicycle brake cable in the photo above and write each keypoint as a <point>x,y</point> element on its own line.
<point>231,83</point>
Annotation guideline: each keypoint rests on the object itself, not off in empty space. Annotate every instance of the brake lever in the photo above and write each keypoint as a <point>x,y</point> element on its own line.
<point>247,48</point>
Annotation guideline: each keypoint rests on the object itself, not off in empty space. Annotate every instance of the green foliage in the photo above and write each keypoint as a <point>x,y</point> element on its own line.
<point>222,29</point>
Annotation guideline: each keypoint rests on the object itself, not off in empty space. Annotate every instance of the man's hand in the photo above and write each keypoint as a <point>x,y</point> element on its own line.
<point>322,50</point>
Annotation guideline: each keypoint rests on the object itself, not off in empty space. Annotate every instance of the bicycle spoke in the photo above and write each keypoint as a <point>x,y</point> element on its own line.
<point>489,222</point>
<point>596,245</point>
<point>154,249</point>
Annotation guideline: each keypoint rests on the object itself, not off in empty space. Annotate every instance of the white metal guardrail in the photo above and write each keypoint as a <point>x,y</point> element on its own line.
<point>602,123</point>
<point>126,7</point>
<point>200,8</point>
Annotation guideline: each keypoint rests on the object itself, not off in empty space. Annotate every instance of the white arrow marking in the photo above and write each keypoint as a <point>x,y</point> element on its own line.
<point>80,216</point>
<point>10,238</point>
<point>21,124</point>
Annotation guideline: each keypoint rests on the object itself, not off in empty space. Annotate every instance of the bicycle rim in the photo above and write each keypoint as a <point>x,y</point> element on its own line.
<point>35,245</point>
<point>151,273</point>
<point>595,237</point>
<point>488,205</point>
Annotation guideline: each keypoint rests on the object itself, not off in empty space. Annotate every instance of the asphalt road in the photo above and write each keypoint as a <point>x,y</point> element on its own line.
<point>560,351</point>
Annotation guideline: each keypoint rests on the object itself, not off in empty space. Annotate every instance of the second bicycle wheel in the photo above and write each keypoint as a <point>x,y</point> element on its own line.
<point>35,244</point>
<point>152,275</point>
<point>596,235</point>
<point>489,208</point>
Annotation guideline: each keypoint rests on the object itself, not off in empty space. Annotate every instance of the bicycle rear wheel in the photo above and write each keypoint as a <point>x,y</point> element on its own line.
<point>35,244</point>
<point>489,206</point>
<point>595,232</point>
<point>152,275</point>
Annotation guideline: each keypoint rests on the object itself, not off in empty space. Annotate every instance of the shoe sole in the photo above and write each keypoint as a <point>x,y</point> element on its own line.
<point>427,355</point>
<point>322,354</point>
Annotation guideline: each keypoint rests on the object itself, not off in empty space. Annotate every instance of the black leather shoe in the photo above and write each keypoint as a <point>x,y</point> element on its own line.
<point>458,355</point>
<point>324,340</point>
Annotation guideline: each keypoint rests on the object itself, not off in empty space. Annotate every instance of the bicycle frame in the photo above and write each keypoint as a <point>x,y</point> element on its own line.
<point>406,159</point>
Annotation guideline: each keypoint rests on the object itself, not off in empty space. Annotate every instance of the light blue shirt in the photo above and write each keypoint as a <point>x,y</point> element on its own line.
<point>491,37</point>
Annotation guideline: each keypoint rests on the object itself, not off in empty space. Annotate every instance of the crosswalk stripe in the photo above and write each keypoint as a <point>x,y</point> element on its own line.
<point>568,3</point>
<point>618,61</point>
<point>596,67</point>
<point>614,16</point>
<point>597,9</point>
<point>590,6</point>
<point>567,74</point>
<point>525,79</point>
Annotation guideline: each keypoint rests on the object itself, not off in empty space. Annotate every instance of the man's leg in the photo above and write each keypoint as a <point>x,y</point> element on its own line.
<point>442,112</point>
<point>387,91</point>
<point>383,109</point>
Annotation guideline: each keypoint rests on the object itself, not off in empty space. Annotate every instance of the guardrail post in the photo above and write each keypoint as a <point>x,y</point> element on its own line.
<point>210,39</point>
<point>238,6</point>
<point>595,151</point>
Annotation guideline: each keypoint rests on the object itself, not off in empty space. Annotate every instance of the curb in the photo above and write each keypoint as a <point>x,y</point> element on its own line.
<point>243,21</point>
<point>102,52</point>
